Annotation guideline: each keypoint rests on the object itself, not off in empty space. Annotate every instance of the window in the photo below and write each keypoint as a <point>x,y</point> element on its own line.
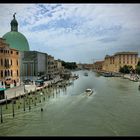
<point>131,59</point>
<point>17,62</point>
<point>11,52</point>
<point>1,62</point>
<point>135,59</point>
<point>11,61</point>
<point>127,59</point>
<point>17,53</point>
<point>8,73</point>
<point>17,72</point>
<point>11,73</point>
<point>5,63</point>
<point>1,73</point>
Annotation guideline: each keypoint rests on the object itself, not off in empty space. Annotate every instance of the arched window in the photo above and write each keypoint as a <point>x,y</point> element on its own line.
<point>17,62</point>
<point>1,73</point>
<point>5,63</point>
<point>1,62</point>
<point>8,73</point>
<point>17,72</point>
<point>11,62</point>
<point>11,73</point>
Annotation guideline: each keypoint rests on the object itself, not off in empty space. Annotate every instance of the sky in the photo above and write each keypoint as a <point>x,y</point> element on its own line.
<point>82,33</point>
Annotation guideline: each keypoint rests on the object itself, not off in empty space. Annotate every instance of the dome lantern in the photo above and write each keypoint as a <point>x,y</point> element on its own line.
<point>14,24</point>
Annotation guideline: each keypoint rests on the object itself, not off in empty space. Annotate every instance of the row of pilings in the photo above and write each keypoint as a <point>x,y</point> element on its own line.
<point>30,100</point>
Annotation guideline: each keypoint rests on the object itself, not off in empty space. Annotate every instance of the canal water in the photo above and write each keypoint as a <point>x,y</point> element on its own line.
<point>112,110</point>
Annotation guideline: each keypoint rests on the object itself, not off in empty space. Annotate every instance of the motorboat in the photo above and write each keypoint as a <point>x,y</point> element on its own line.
<point>88,91</point>
<point>139,87</point>
<point>86,74</point>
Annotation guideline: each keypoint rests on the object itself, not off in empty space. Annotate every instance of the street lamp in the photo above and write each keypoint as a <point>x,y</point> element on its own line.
<point>41,94</point>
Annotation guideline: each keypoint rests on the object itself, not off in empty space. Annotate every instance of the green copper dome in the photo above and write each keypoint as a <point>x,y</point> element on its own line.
<point>16,39</point>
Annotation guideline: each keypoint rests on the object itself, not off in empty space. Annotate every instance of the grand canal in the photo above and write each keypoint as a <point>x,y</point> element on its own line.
<point>113,110</point>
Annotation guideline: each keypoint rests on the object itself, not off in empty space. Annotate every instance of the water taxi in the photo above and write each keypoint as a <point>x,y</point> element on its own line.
<point>86,74</point>
<point>88,91</point>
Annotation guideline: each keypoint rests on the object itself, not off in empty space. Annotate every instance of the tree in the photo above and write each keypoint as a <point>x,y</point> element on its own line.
<point>126,69</point>
<point>69,65</point>
<point>138,68</point>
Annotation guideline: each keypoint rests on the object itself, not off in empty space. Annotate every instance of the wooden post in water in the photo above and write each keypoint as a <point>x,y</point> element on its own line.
<point>13,108</point>
<point>41,102</point>
<point>6,103</point>
<point>29,104</point>
<point>1,114</point>
<point>24,103</point>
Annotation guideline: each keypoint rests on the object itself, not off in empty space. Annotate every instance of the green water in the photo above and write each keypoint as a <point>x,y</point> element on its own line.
<point>113,110</point>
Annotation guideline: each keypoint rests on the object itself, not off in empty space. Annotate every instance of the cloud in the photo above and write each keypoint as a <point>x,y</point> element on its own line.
<point>76,31</point>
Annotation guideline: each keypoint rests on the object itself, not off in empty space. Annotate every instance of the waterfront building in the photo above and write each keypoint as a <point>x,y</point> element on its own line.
<point>60,67</point>
<point>34,64</point>
<point>88,66</point>
<point>80,66</point>
<point>51,67</point>
<point>119,59</point>
<point>15,39</point>
<point>98,65</point>
<point>9,65</point>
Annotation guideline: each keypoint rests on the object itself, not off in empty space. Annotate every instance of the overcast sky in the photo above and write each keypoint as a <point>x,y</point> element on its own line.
<point>76,32</point>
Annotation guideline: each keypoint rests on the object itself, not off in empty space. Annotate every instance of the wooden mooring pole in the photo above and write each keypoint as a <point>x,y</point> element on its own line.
<point>1,114</point>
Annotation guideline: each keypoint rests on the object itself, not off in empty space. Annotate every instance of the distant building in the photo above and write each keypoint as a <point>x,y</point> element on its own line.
<point>88,66</point>
<point>80,66</point>
<point>51,67</point>
<point>98,65</point>
<point>9,65</point>
<point>60,67</point>
<point>34,64</point>
<point>119,59</point>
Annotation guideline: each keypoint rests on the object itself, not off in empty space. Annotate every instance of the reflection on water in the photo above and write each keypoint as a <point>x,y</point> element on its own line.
<point>113,109</point>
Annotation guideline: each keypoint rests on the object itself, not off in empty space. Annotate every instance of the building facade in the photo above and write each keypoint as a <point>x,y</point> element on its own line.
<point>33,64</point>
<point>9,65</point>
<point>119,59</point>
<point>98,65</point>
<point>51,67</point>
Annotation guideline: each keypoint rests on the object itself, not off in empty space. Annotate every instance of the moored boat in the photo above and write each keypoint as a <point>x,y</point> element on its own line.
<point>86,74</point>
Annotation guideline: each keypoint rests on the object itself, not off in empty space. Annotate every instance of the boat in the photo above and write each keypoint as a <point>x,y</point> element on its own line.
<point>86,74</point>
<point>139,87</point>
<point>88,91</point>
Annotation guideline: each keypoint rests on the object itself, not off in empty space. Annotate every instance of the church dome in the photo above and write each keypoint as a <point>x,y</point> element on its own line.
<point>15,39</point>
